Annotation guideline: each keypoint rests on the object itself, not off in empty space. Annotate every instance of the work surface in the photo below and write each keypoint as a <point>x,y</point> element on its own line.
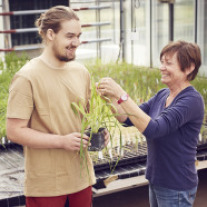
<point>12,176</point>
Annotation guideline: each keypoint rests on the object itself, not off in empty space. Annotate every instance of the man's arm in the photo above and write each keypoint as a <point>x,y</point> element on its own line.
<point>19,132</point>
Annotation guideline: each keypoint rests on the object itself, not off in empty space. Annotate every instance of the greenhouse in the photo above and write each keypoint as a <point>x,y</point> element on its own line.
<point>137,68</point>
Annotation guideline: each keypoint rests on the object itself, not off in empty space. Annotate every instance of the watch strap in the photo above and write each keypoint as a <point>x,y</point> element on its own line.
<point>121,99</point>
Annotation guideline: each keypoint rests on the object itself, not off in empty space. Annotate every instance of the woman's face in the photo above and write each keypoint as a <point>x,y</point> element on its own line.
<point>171,73</point>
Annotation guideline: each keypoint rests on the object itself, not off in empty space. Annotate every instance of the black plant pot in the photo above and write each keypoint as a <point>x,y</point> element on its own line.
<point>97,140</point>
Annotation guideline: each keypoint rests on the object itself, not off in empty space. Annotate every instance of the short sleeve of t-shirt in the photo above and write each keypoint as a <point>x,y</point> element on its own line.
<point>20,102</point>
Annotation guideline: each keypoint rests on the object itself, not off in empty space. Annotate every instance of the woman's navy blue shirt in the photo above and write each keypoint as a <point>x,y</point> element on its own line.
<point>172,137</point>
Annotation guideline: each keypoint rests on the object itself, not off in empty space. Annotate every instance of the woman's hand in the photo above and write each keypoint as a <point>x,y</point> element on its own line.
<point>109,88</point>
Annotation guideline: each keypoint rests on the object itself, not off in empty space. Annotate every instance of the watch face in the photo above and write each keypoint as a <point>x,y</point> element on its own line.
<point>124,97</point>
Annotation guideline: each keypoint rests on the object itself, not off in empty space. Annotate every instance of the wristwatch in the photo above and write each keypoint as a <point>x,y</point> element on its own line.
<point>123,98</point>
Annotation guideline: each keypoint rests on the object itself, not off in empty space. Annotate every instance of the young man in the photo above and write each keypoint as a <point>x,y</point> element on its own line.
<point>40,117</point>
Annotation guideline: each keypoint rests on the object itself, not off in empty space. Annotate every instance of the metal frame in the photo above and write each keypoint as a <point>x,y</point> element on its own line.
<point>7,32</point>
<point>6,25</point>
<point>122,29</point>
<point>196,21</point>
<point>39,46</point>
<point>171,21</point>
<point>27,12</point>
<point>98,31</point>
<point>26,30</point>
<point>151,53</point>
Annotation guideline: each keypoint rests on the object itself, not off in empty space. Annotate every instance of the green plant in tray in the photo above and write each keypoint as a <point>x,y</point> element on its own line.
<point>96,118</point>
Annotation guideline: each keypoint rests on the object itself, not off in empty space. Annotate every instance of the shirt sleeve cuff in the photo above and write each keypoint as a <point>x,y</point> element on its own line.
<point>127,123</point>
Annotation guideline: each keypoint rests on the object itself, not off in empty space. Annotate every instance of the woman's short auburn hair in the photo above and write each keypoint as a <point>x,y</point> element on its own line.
<point>187,54</point>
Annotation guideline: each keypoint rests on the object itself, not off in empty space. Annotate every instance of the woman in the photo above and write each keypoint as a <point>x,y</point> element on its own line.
<point>171,122</point>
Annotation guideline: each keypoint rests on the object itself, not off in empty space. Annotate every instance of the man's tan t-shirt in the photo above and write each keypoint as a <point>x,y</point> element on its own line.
<point>43,95</point>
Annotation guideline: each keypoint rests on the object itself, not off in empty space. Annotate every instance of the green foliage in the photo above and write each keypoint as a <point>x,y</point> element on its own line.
<point>8,68</point>
<point>200,84</point>
<point>97,115</point>
<point>140,83</point>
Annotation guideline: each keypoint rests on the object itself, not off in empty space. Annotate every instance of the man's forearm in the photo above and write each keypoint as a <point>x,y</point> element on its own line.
<point>35,139</point>
<point>18,132</point>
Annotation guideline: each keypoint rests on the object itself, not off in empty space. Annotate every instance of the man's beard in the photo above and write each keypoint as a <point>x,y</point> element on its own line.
<point>63,58</point>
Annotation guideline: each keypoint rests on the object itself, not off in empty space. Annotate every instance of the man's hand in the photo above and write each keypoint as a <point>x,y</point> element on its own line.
<point>74,141</point>
<point>19,132</point>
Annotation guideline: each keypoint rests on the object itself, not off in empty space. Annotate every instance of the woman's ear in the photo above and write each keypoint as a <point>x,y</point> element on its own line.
<point>190,69</point>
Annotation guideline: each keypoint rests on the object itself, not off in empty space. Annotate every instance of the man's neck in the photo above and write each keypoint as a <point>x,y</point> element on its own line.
<point>51,60</point>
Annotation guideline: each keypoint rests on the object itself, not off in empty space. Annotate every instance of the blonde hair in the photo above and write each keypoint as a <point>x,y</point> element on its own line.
<point>52,19</point>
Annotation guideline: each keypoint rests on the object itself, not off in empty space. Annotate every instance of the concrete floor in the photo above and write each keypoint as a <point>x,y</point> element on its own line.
<point>138,197</point>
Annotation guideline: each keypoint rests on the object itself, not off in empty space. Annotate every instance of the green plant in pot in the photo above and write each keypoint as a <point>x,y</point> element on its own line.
<point>97,141</point>
<point>96,119</point>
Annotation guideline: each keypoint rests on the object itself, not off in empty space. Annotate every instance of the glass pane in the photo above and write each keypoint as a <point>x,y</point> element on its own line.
<point>27,21</point>
<point>110,49</point>
<point>201,33</point>
<point>160,30</point>
<point>106,50</point>
<point>88,33</point>
<point>137,32</point>
<point>184,20</point>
